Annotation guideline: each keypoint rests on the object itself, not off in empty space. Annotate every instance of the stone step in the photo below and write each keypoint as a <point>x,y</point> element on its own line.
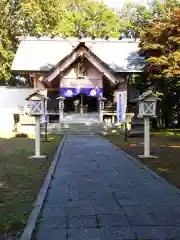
<point>75,133</point>
<point>75,128</point>
<point>70,131</point>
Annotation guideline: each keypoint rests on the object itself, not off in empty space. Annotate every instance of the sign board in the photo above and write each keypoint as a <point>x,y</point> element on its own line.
<point>121,106</point>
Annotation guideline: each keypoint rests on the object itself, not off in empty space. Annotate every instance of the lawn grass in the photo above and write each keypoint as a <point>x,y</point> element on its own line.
<point>20,180</point>
<point>166,148</point>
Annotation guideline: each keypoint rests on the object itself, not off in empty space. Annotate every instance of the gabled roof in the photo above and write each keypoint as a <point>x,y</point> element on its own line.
<point>36,96</point>
<point>42,54</point>
<point>145,95</point>
<point>81,50</point>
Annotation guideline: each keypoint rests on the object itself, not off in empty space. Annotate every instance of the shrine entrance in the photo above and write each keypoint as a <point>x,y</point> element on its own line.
<point>81,100</point>
<point>81,104</point>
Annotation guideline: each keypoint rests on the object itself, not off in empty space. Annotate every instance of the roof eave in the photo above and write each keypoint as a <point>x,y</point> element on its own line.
<point>29,71</point>
<point>88,54</point>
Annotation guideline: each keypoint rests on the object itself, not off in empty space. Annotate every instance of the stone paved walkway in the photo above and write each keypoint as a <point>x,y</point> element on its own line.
<point>97,193</point>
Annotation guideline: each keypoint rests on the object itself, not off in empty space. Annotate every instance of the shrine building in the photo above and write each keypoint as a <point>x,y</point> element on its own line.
<point>80,70</point>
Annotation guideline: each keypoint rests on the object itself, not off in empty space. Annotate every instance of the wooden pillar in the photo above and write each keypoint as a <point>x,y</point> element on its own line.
<point>33,80</point>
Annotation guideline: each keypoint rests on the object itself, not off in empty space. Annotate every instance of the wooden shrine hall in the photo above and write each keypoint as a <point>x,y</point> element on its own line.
<point>82,73</point>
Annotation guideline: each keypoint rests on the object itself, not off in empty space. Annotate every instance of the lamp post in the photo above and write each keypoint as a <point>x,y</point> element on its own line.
<point>37,109</point>
<point>61,108</point>
<point>45,121</point>
<point>81,105</point>
<point>147,109</point>
<point>101,108</point>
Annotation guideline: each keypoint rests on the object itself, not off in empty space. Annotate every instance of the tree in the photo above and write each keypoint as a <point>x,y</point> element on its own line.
<point>160,44</point>
<point>46,17</point>
<point>135,18</point>
<point>68,18</point>
<point>8,31</point>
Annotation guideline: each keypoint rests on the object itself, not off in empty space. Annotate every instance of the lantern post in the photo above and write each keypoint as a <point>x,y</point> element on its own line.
<point>101,108</point>
<point>147,109</point>
<point>37,109</point>
<point>61,108</point>
<point>45,120</point>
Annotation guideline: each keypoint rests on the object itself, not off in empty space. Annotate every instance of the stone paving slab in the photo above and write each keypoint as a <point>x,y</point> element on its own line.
<point>86,221</point>
<point>52,211</point>
<point>107,209</point>
<point>81,211</point>
<point>140,216</point>
<point>84,234</point>
<point>175,233</point>
<point>117,233</point>
<point>52,233</point>
<point>112,220</point>
<point>98,193</point>
<point>150,232</point>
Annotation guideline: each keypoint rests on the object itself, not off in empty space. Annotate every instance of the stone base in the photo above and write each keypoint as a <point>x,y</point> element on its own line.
<point>38,157</point>
<point>150,156</point>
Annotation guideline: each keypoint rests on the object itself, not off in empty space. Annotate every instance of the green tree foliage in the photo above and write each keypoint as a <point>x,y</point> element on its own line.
<point>46,17</point>
<point>161,45</point>
<point>70,18</point>
<point>8,31</point>
<point>137,17</point>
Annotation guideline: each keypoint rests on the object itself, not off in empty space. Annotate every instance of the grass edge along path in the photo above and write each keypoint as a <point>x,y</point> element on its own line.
<point>20,180</point>
<point>166,148</point>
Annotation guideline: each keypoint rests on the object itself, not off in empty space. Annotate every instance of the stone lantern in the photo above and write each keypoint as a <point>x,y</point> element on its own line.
<point>147,109</point>
<point>36,103</point>
<point>37,109</point>
<point>147,104</point>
